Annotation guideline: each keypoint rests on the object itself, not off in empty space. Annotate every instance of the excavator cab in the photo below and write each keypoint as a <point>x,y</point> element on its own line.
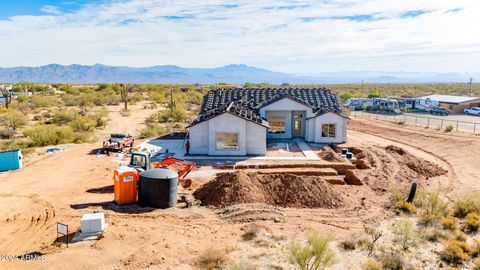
<point>140,161</point>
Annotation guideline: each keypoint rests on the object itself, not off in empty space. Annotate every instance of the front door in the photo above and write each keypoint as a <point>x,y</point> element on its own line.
<point>297,124</point>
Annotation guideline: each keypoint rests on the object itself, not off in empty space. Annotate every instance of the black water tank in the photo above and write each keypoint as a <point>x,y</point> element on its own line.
<point>158,188</point>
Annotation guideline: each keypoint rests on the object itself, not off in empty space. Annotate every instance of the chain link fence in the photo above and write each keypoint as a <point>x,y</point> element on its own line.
<point>423,121</point>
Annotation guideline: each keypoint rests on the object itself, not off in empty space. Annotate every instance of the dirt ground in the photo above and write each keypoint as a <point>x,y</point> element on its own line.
<point>62,187</point>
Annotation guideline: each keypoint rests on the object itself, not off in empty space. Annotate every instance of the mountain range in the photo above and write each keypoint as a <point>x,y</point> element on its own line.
<point>235,74</point>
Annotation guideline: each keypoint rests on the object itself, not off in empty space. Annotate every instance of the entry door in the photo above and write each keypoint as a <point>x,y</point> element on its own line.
<point>297,124</point>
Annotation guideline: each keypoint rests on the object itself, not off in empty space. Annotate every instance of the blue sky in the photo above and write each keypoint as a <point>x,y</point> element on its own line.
<point>296,36</point>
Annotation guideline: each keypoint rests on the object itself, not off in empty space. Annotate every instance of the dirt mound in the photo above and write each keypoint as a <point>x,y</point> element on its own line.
<point>284,190</point>
<point>252,212</point>
<point>395,149</point>
<point>328,154</point>
<point>422,167</point>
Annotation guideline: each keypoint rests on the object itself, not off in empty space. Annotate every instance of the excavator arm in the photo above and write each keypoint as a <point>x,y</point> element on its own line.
<point>185,166</point>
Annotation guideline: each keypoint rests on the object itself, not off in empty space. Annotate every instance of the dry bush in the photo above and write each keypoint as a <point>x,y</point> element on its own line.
<point>153,130</point>
<point>44,135</point>
<point>449,223</point>
<point>349,243</point>
<point>405,207</point>
<point>393,261</point>
<point>459,235</point>
<point>472,223</point>
<point>315,254</point>
<point>372,265</point>
<point>405,233</point>
<point>433,235</point>
<point>252,232</point>
<point>397,194</point>
<point>434,204</point>
<point>455,252</point>
<point>213,259</point>
<point>464,207</point>
<point>13,120</point>
<point>373,235</point>
<point>449,128</point>
<point>425,219</point>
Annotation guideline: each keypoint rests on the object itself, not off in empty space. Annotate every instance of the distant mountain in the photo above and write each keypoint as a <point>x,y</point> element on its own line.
<point>237,74</point>
<point>55,73</point>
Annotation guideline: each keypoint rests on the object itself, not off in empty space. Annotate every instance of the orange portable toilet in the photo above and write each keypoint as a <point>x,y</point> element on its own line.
<point>125,185</point>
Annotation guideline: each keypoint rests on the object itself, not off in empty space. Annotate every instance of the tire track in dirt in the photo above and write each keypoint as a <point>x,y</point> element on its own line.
<point>30,219</point>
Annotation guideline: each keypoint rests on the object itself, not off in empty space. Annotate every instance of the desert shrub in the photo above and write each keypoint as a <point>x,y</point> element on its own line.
<point>42,101</point>
<point>159,98</point>
<point>405,207</point>
<point>449,223</point>
<point>315,254</point>
<point>448,128</point>
<point>433,235</point>
<point>349,243</point>
<point>372,265</point>
<point>471,223</point>
<point>475,249</point>
<point>153,130</point>
<point>434,204</point>
<point>373,234</point>
<point>396,194</point>
<point>100,118</point>
<point>463,207</point>
<point>63,117</point>
<point>459,235</point>
<point>6,133</point>
<point>405,233</point>
<point>83,137</point>
<point>83,124</point>
<point>212,259</point>
<point>44,135</point>
<point>454,252</point>
<point>393,261</point>
<point>13,119</point>
<point>426,219</point>
<point>251,233</point>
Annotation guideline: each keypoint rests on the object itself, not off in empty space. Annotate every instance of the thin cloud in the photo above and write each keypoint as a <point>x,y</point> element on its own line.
<point>291,36</point>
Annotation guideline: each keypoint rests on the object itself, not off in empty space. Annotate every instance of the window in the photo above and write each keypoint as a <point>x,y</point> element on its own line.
<point>328,130</point>
<point>277,124</point>
<point>226,141</point>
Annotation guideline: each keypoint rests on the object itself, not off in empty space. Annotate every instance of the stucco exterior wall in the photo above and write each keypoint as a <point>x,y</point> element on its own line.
<point>256,139</point>
<point>198,137</point>
<point>230,124</point>
<point>252,138</point>
<point>284,107</point>
<point>330,118</point>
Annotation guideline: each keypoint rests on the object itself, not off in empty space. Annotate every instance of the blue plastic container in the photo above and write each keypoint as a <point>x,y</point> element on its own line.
<point>10,160</point>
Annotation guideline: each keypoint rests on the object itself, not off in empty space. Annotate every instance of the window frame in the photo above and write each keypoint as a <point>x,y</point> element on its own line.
<point>277,119</point>
<point>329,128</point>
<point>237,148</point>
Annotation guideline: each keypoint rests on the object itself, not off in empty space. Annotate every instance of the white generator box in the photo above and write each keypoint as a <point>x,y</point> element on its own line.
<point>92,223</point>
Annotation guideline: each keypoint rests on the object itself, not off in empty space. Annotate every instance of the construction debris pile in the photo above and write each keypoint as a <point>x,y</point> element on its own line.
<point>284,190</point>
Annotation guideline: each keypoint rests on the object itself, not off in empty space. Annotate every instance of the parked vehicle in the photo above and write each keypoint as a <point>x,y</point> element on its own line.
<point>439,111</point>
<point>118,141</point>
<point>472,111</point>
<point>420,104</point>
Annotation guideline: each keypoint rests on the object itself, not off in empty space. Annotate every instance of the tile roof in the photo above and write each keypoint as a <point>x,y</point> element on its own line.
<point>246,102</point>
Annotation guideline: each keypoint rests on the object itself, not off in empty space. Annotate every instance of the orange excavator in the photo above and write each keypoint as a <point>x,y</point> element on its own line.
<point>143,161</point>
